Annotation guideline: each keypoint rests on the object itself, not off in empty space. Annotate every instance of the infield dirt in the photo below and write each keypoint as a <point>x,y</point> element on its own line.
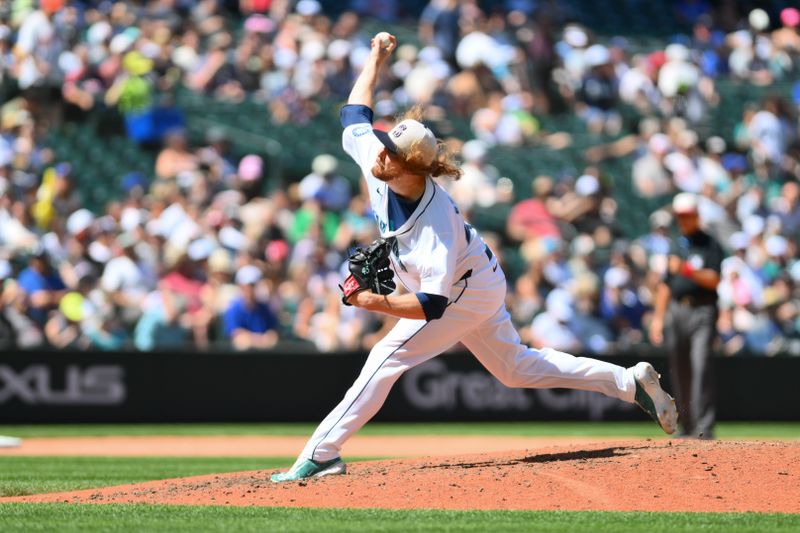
<point>663,475</point>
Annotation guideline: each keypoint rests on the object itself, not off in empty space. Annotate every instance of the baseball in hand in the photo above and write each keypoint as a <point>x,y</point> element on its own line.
<point>383,39</point>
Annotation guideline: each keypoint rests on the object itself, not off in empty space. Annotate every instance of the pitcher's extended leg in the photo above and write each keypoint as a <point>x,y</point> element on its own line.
<point>497,346</point>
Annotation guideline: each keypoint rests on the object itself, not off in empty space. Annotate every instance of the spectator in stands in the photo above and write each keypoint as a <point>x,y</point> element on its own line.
<point>124,280</point>
<point>330,189</point>
<point>599,92</point>
<point>581,204</point>
<point>17,229</point>
<point>788,209</point>
<point>531,218</point>
<point>8,334</point>
<point>216,158</point>
<point>162,324</point>
<point>66,199</point>
<point>491,71</point>
<point>767,133</point>
<point>37,47</point>
<point>710,167</point>
<point>220,291</point>
<point>249,322</point>
<point>175,157</point>
<point>16,306</point>
<point>621,306</point>
<point>478,183</point>
<point>42,285</point>
<point>657,241</point>
<point>650,176</point>
<point>439,26</point>
<point>787,38</point>
<point>183,286</point>
<point>63,328</point>
<point>595,334</point>
<point>551,328</point>
<point>679,82</point>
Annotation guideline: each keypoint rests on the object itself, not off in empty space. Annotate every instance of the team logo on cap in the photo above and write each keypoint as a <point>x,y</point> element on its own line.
<point>398,131</point>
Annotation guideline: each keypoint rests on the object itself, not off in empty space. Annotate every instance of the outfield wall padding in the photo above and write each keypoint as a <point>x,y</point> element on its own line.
<point>282,387</point>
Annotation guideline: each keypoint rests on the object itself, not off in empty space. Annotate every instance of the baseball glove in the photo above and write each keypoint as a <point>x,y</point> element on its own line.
<point>370,270</point>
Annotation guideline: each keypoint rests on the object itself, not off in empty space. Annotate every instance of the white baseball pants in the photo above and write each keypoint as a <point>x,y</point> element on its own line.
<point>477,317</point>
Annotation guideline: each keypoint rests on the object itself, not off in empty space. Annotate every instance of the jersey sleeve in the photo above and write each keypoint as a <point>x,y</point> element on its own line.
<point>351,114</point>
<point>433,305</point>
<point>436,276</point>
<point>358,140</point>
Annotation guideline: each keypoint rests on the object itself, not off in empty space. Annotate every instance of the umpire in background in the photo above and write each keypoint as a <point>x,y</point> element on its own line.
<point>685,318</point>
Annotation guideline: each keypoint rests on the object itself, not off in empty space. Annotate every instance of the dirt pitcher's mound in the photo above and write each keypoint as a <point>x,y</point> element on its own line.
<point>639,475</point>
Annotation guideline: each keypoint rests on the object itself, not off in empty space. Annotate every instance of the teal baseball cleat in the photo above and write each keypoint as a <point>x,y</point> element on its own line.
<point>653,399</point>
<point>306,468</point>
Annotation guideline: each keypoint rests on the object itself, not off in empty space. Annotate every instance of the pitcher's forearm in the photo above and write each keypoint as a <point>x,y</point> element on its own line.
<point>363,89</point>
<point>400,306</point>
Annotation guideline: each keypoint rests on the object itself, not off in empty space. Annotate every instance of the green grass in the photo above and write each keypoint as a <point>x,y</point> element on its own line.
<point>764,430</point>
<point>64,517</point>
<point>33,475</point>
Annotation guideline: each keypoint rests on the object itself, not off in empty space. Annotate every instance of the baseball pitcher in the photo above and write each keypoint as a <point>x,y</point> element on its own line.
<point>454,289</point>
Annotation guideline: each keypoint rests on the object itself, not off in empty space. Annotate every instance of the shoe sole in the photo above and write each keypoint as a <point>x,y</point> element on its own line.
<point>664,403</point>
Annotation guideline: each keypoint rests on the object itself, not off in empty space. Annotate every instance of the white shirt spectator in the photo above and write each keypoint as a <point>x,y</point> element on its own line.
<point>678,74</point>
<point>547,328</point>
<point>730,294</point>
<point>476,186</point>
<point>684,173</point>
<point>766,137</point>
<point>633,83</point>
<point>14,234</point>
<point>711,171</point>
<point>35,29</point>
<point>122,274</point>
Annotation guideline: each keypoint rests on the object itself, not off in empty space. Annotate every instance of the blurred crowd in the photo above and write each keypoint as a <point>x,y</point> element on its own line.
<point>197,255</point>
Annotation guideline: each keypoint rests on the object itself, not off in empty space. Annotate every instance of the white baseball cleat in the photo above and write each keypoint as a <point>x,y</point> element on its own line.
<point>653,399</point>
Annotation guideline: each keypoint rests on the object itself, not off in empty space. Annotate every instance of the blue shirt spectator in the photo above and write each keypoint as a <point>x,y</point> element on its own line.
<point>248,322</point>
<point>42,284</point>
<point>33,281</point>
<point>256,318</point>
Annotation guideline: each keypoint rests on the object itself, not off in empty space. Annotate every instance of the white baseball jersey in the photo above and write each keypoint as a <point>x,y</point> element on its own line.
<point>435,247</point>
<point>439,254</point>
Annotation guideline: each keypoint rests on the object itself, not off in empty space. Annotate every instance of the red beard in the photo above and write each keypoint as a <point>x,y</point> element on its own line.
<point>381,172</point>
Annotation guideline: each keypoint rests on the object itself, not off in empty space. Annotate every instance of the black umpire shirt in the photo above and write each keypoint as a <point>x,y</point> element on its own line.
<point>701,251</point>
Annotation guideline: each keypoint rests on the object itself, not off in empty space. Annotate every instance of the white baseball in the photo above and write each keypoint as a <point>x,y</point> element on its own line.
<point>383,39</point>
